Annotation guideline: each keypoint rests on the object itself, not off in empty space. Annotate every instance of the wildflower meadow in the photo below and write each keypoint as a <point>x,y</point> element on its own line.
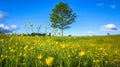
<point>57,51</point>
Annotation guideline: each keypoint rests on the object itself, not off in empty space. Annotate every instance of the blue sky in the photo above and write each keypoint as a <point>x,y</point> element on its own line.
<point>94,17</point>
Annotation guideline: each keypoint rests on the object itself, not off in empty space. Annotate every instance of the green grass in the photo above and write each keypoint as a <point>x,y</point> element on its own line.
<point>23,51</point>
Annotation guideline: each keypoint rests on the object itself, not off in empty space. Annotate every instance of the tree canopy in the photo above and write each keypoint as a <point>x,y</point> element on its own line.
<point>62,16</point>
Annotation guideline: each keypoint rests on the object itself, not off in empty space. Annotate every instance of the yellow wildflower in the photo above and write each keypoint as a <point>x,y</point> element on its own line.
<point>2,56</point>
<point>106,62</point>
<point>63,46</point>
<point>32,48</point>
<point>1,40</point>
<point>20,54</point>
<point>39,57</point>
<point>81,53</point>
<point>12,51</point>
<point>41,62</point>
<point>6,56</point>
<point>26,47</point>
<point>69,56</point>
<point>49,61</point>
<point>101,48</point>
<point>96,61</point>
<point>24,55</point>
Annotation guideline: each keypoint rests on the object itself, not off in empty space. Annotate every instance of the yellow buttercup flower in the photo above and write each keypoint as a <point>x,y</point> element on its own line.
<point>39,57</point>
<point>24,55</point>
<point>12,51</point>
<point>26,47</point>
<point>2,56</point>
<point>63,46</point>
<point>82,53</point>
<point>96,61</point>
<point>69,56</point>
<point>49,61</point>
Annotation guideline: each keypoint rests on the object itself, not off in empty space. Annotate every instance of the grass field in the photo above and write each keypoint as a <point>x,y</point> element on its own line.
<point>51,51</point>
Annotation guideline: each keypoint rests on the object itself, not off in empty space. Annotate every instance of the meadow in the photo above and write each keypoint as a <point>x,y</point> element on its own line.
<point>56,51</point>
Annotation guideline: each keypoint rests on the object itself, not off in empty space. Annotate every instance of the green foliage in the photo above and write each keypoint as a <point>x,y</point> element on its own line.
<point>62,16</point>
<point>29,27</point>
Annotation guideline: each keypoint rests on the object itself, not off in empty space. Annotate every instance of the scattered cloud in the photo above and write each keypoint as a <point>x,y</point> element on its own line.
<point>7,29</point>
<point>100,4</point>
<point>118,30</point>
<point>89,32</point>
<point>113,6</point>
<point>3,15</point>
<point>109,27</point>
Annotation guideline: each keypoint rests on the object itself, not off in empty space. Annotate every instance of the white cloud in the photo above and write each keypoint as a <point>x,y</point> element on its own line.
<point>3,15</point>
<point>113,6</point>
<point>13,26</point>
<point>108,28</point>
<point>100,4</point>
<point>118,30</point>
<point>7,29</point>
<point>1,25</point>
<point>89,32</point>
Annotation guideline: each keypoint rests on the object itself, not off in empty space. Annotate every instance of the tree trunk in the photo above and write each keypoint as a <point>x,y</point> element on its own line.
<point>62,32</point>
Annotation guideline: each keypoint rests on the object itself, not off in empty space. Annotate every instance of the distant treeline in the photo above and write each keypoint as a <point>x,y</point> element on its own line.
<point>32,34</point>
<point>38,34</point>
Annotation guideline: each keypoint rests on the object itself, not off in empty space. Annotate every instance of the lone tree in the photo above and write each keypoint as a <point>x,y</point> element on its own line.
<point>62,16</point>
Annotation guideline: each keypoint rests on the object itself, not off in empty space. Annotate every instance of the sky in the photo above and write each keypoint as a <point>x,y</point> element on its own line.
<point>94,17</point>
